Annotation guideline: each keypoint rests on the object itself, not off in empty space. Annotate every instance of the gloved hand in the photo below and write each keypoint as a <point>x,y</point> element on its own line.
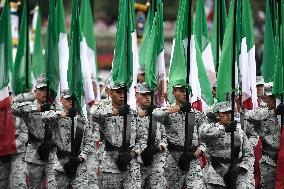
<point>231,176</point>
<point>279,109</point>
<point>124,110</point>
<point>44,149</point>
<point>185,159</point>
<point>231,127</point>
<point>150,109</point>
<point>123,160</point>
<point>45,107</point>
<point>148,153</point>
<point>70,169</point>
<point>186,107</point>
<point>72,112</point>
<point>212,118</point>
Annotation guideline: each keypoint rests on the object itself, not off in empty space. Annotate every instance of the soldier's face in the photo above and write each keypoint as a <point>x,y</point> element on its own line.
<point>260,90</point>
<point>143,100</point>
<point>66,102</point>
<point>224,118</point>
<point>117,96</point>
<point>179,94</point>
<point>40,94</point>
<point>271,102</point>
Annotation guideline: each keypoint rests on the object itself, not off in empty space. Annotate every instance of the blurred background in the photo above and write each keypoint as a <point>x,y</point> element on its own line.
<point>105,15</point>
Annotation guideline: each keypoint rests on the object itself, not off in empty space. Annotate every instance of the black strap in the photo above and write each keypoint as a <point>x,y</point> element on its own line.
<point>79,135</point>
<point>128,132</point>
<point>237,144</point>
<point>190,129</point>
<point>152,132</point>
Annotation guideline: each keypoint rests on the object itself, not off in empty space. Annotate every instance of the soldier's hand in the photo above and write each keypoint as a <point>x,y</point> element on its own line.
<point>186,107</point>
<point>72,112</point>
<point>174,109</point>
<point>124,110</point>
<point>150,109</point>
<point>133,154</point>
<point>142,113</point>
<point>162,149</point>
<point>45,107</point>
<point>198,152</point>
<point>279,109</point>
<point>231,127</point>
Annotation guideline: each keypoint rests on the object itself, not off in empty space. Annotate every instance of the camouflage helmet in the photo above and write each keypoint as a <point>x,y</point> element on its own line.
<point>223,107</point>
<point>142,88</point>
<point>41,81</point>
<point>65,93</point>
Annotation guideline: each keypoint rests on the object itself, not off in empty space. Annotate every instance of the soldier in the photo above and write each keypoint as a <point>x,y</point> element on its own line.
<point>13,168</point>
<point>260,92</point>
<point>217,137</point>
<point>268,126</point>
<point>119,165</point>
<point>60,123</point>
<point>40,151</point>
<point>152,171</point>
<point>177,162</point>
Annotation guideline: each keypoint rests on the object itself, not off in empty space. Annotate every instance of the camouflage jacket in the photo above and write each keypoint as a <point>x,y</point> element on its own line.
<point>174,124</point>
<point>111,127</point>
<point>21,134</point>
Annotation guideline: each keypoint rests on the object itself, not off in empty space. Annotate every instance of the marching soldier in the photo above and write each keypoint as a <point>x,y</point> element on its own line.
<point>40,150</point>
<point>13,169</point>
<point>71,170</point>
<point>182,169</point>
<point>217,137</point>
<point>119,166</point>
<point>152,170</point>
<point>268,126</point>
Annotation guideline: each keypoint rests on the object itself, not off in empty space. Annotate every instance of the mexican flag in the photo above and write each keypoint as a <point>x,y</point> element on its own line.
<point>269,51</point>
<point>125,62</point>
<point>218,30</point>
<point>155,72</point>
<point>38,62</point>
<point>201,33</point>
<point>21,77</point>
<point>198,80</point>
<point>89,63</point>
<point>247,58</point>
<point>7,128</point>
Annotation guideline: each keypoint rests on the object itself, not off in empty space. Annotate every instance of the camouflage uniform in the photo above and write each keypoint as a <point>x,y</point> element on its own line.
<point>112,129</point>
<point>61,128</point>
<point>218,144</point>
<point>36,167</point>
<point>174,126</point>
<point>15,168</point>
<point>269,131</point>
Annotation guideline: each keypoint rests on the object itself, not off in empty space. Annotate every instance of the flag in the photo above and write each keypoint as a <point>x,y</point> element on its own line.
<point>52,51</point>
<point>247,61</point>
<point>89,66</point>
<point>38,62</point>
<point>155,72</point>
<point>125,61</point>
<point>201,33</point>
<point>21,77</point>
<point>269,54</point>
<point>7,128</point>
<point>198,80</point>
<point>146,35</point>
<point>218,30</point>
<point>224,76</point>
<point>62,45</point>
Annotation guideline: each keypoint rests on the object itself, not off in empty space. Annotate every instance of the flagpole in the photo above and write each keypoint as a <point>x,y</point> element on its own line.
<point>186,141</point>
<point>125,87</point>
<point>27,46</point>
<point>232,162</point>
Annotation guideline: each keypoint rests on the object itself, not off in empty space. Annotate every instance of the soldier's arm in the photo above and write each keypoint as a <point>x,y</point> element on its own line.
<point>22,138</point>
<point>161,114</point>
<point>100,113</point>
<point>88,140</point>
<point>23,97</point>
<point>163,139</point>
<point>138,140</point>
<point>210,131</point>
<point>23,109</point>
<point>247,152</point>
<point>51,118</point>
